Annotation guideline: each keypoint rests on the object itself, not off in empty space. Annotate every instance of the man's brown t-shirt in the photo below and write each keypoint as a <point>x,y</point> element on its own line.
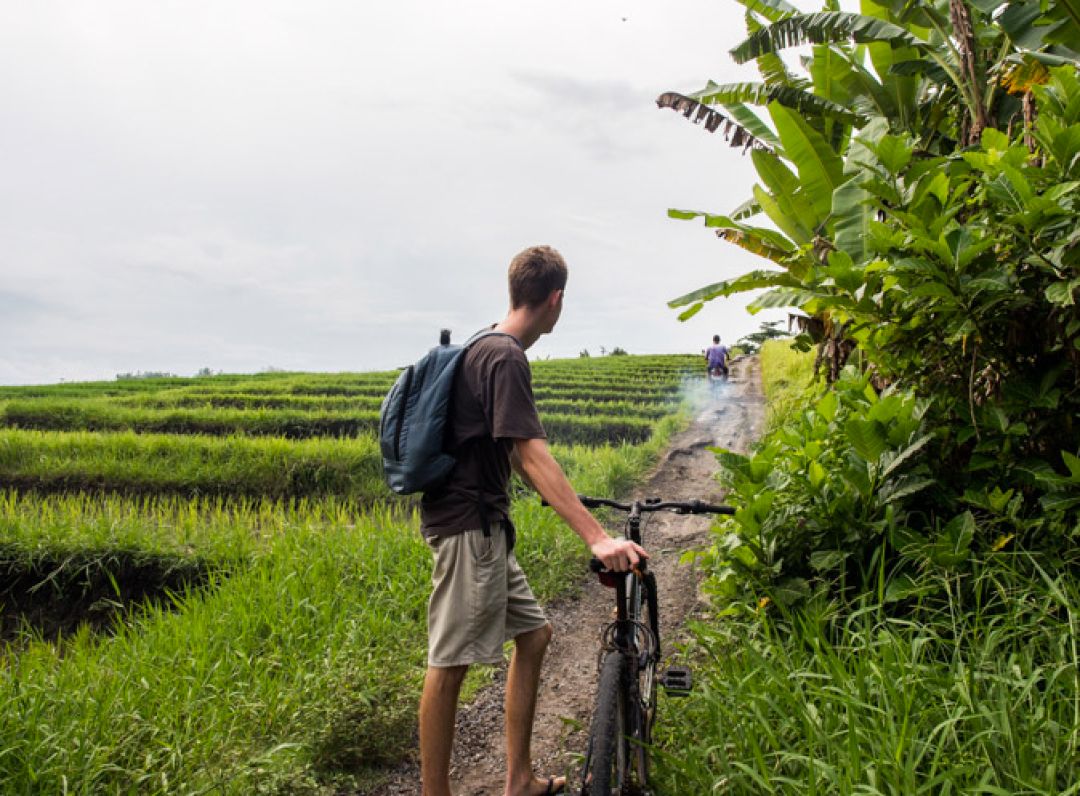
<point>492,406</point>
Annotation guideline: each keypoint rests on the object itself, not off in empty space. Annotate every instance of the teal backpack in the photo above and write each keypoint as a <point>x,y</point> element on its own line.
<point>414,420</point>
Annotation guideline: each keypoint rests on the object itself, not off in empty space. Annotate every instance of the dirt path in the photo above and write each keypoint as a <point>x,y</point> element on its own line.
<point>732,420</point>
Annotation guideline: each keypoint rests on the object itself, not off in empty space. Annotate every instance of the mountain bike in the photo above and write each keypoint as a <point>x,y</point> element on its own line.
<point>617,758</point>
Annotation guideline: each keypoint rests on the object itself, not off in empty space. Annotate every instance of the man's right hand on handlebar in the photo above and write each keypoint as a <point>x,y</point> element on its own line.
<point>619,555</point>
<point>534,462</point>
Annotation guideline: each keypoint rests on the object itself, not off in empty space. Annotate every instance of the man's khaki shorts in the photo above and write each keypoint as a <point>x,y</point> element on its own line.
<point>479,601</point>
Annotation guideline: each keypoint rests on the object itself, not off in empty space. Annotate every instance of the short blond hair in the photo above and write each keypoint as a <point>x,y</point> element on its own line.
<point>534,273</point>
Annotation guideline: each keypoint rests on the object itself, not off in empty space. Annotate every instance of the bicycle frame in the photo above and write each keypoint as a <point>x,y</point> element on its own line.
<point>629,656</point>
<point>629,588</point>
<point>639,645</point>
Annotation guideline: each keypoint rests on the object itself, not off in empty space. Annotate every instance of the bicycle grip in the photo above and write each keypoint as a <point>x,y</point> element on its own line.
<point>597,566</point>
<point>701,507</point>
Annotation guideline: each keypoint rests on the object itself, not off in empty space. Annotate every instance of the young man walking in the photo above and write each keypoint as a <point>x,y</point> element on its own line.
<point>480,598</point>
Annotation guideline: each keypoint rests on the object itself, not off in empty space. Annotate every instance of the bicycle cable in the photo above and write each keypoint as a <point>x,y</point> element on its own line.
<point>644,645</point>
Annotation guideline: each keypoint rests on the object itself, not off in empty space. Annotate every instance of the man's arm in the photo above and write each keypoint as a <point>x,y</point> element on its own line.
<point>535,464</point>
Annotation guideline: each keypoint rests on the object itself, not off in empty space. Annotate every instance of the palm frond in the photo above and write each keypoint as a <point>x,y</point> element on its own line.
<point>774,71</point>
<point>762,241</point>
<point>754,280</point>
<point>771,66</point>
<point>772,10</point>
<point>755,242</point>
<point>745,116</point>
<point>805,102</point>
<point>747,209</point>
<point>916,67</point>
<point>822,28</point>
<point>712,120</point>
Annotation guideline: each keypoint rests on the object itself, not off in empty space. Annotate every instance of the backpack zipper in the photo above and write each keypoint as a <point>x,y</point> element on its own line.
<point>401,412</point>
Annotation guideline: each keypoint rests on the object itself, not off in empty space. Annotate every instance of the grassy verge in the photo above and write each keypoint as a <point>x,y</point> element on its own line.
<point>954,698</point>
<point>143,450</point>
<point>785,375</point>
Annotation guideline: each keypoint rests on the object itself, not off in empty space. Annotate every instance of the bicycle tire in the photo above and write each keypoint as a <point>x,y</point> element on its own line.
<point>607,758</point>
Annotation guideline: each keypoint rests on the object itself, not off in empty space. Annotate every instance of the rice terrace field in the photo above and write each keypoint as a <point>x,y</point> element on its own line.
<point>207,587</point>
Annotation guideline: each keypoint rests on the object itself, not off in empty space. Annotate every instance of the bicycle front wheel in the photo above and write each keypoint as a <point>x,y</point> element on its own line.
<point>606,762</point>
<point>644,690</point>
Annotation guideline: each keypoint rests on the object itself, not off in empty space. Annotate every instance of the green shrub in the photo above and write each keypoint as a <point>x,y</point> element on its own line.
<point>822,496</point>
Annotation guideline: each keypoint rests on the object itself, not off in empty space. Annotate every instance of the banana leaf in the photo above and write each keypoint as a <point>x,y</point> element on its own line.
<point>711,119</point>
<point>820,167</point>
<point>754,280</point>
<point>823,28</point>
<point>772,10</point>
<point>805,102</point>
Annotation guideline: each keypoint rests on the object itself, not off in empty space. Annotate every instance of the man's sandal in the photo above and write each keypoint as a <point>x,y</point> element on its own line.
<point>552,790</point>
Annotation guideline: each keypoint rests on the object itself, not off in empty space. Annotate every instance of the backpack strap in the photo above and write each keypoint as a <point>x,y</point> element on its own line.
<point>489,332</point>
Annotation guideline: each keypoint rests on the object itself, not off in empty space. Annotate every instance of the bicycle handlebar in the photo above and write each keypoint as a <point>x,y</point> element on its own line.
<point>648,504</point>
<point>655,504</point>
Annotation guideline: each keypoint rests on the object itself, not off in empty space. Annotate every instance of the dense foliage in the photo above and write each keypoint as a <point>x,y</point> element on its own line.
<point>953,669</point>
<point>898,590</point>
<point>924,185</point>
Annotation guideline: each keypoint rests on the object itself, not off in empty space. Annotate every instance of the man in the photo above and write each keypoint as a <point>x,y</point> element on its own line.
<point>716,358</point>
<point>480,598</point>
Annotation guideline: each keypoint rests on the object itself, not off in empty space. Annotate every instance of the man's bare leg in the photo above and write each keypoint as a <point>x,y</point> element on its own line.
<point>438,709</point>
<point>522,683</point>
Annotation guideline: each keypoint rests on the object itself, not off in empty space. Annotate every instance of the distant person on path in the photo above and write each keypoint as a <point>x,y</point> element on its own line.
<point>480,598</point>
<point>716,358</point>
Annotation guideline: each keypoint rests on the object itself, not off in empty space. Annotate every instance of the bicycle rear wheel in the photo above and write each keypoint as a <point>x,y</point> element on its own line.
<point>608,756</point>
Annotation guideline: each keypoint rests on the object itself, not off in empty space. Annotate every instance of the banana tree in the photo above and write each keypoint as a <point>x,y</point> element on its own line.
<point>939,72</point>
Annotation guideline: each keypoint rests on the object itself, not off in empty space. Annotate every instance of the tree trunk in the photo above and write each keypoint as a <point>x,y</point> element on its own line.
<point>964,33</point>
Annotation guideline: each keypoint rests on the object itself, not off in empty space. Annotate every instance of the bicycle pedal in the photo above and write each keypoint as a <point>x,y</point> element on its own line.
<point>677,681</point>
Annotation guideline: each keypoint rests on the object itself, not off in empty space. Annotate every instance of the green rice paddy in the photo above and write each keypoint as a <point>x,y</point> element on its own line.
<point>208,588</point>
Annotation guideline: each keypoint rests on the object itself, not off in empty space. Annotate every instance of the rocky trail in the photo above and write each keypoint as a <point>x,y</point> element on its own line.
<point>732,419</point>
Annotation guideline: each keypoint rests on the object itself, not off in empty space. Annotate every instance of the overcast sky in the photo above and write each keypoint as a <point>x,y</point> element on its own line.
<point>322,185</point>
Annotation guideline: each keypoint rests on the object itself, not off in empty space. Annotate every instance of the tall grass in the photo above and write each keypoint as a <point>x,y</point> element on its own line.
<point>281,382</point>
<point>593,428</point>
<point>297,671</point>
<point>310,403</point>
<point>88,415</point>
<point>306,661</point>
<point>195,465</point>
<point>210,527</point>
<point>786,374</point>
<point>641,370</point>
<point>952,698</point>
<point>175,399</point>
